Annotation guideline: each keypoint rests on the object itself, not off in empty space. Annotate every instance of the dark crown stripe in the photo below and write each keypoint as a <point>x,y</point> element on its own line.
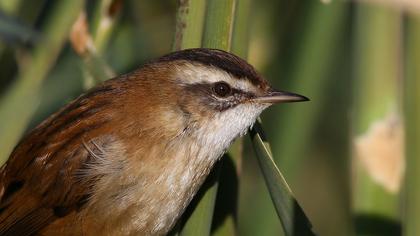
<point>217,58</point>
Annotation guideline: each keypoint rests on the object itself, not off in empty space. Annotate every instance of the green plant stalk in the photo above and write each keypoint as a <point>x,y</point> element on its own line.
<point>200,221</point>
<point>225,212</point>
<point>217,34</point>
<point>240,42</point>
<point>240,36</point>
<point>377,47</point>
<point>19,103</point>
<point>411,226</point>
<point>190,24</point>
<point>219,24</point>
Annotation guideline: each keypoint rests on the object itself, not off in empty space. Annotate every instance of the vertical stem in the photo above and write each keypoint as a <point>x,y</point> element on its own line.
<point>219,16</point>
<point>240,36</point>
<point>200,219</point>
<point>189,24</point>
<point>412,128</point>
<point>377,74</point>
<point>219,23</point>
<point>227,197</point>
<point>21,100</point>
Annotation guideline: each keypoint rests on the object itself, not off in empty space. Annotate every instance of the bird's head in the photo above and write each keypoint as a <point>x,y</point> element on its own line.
<point>218,94</point>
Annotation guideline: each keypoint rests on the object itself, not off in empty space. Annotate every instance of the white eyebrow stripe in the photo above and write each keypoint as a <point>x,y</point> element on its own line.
<point>196,73</point>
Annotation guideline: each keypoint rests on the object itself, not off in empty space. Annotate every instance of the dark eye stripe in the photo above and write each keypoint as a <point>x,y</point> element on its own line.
<point>208,88</point>
<point>204,93</point>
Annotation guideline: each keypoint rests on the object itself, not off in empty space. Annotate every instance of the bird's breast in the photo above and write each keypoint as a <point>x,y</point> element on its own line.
<point>153,189</point>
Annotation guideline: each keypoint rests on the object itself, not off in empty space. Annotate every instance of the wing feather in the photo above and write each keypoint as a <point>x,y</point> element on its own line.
<point>39,182</point>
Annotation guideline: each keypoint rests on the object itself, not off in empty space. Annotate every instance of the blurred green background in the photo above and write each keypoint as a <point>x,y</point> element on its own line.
<point>342,153</point>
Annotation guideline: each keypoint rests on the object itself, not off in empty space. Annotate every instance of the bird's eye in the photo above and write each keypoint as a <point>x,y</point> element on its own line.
<point>222,89</point>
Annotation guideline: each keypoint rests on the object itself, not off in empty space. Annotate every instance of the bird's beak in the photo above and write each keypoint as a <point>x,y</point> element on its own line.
<point>273,97</point>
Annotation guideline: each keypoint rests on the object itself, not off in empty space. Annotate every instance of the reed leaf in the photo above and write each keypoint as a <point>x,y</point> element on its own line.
<point>292,217</point>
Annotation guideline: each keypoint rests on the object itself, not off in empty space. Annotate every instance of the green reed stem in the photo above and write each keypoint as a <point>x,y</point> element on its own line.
<point>217,33</point>
<point>377,75</point>
<point>189,24</point>
<point>412,128</point>
<point>227,198</point>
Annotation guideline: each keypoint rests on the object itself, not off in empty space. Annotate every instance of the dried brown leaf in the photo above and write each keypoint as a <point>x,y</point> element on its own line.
<point>381,152</point>
<point>80,38</point>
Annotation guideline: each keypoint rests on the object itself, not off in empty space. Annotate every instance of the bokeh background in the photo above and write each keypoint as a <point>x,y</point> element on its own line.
<point>342,153</point>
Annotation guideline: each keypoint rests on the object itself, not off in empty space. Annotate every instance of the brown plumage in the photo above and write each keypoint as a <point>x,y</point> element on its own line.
<point>127,156</point>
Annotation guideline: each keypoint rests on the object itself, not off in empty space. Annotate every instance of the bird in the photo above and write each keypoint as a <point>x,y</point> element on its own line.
<point>127,156</point>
